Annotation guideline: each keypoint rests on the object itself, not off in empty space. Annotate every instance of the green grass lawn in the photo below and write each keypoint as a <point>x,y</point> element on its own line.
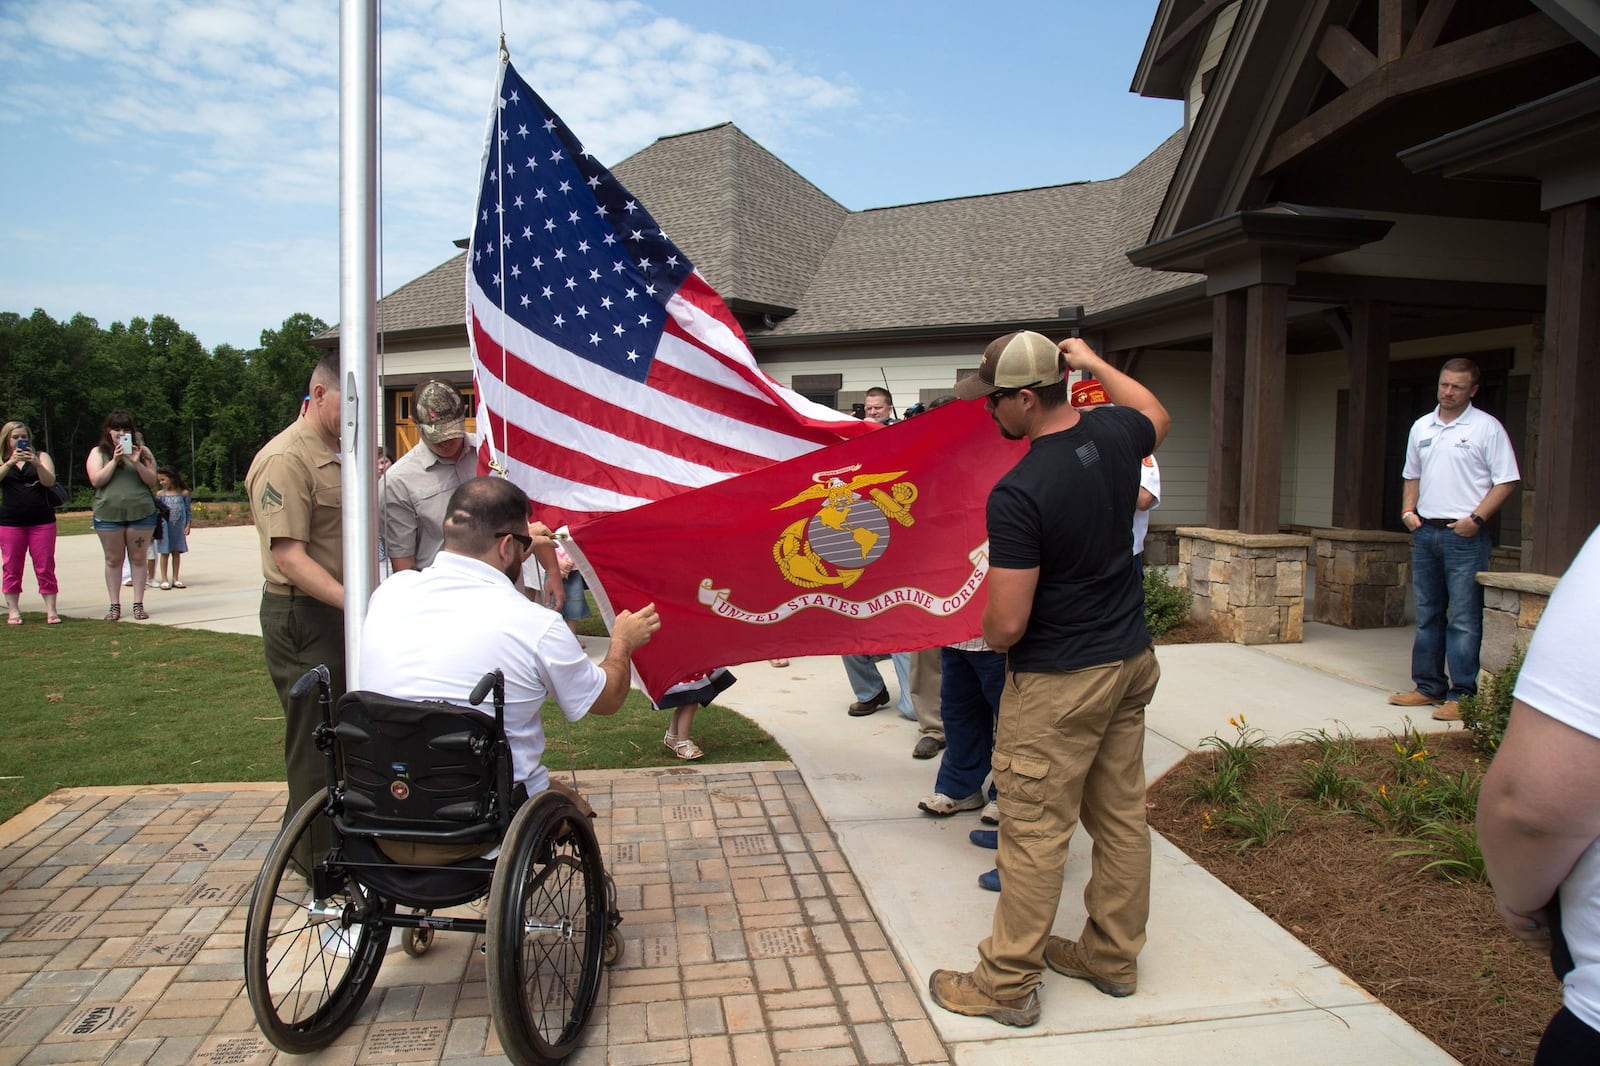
<point>72,523</point>
<point>90,703</point>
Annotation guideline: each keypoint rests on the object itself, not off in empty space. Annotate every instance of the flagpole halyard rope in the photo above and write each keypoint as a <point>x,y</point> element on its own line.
<point>496,466</point>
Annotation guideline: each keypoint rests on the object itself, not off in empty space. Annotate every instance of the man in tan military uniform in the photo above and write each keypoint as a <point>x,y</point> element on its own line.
<point>294,495</point>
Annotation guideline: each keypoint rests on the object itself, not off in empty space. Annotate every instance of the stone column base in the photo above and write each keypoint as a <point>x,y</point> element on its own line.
<point>1362,577</point>
<point>1512,607</point>
<point>1250,584</point>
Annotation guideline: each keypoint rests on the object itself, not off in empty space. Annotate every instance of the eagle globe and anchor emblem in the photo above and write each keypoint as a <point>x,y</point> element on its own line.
<point>850,530</point>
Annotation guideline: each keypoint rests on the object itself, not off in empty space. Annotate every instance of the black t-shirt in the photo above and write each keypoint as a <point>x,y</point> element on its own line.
<point>1067,508</point>
<point>23,501</point>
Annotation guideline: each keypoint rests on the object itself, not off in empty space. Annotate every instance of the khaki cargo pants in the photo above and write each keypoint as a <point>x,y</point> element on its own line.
<point>1070,747</point>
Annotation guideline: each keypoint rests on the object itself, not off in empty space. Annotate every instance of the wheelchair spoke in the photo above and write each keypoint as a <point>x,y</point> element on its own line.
<point>548,928</point>
<point>309,963</point>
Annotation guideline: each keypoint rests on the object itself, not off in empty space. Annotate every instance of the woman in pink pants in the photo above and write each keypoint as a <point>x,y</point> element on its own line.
<point>27,520</point>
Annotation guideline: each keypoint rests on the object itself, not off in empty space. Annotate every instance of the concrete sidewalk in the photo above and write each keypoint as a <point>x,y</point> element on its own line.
<point>1218,983</point>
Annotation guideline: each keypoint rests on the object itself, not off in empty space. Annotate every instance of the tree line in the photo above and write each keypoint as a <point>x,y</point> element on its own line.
<point>204,412</point>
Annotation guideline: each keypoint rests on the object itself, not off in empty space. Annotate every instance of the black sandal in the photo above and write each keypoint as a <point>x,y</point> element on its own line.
<point>115,613</point>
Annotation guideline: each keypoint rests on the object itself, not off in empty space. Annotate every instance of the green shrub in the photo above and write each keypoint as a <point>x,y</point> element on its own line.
<point>1401,809</point>
<point>1241,752</point>
<point>1337,748</point>
<point>1224,787</point>
<point>1325,782</point>
<point>1410,760</point>
<point>1485,715</point>
<point>1165,605</point>
<point>1450,847</point>
<point>1451,797</point>
<point>1258,822</point>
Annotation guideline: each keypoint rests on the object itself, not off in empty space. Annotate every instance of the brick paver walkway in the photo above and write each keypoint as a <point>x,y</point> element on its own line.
<point>748,940</point>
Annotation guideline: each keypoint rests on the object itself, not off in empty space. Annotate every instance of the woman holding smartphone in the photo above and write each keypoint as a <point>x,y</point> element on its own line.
<point>27,520</point>
<point>123,473</point>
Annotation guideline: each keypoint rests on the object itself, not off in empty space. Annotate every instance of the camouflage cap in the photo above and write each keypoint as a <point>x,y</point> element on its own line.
<point>439,412</point>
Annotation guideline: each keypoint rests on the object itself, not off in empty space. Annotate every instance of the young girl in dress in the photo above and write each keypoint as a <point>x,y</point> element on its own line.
<point>174,540</point>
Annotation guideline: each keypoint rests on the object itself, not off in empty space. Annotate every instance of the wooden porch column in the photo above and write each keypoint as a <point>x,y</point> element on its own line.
<point>1227,410</point>
<point>1368,352</point>
<point>1261,461</point>
<point>1567,476</point>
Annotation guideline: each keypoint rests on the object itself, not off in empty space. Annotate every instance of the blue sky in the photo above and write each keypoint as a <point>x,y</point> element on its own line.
<point>181,156</point>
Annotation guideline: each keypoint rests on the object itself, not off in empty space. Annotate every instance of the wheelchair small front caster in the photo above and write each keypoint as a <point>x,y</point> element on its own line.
<point>613,950</point>
<point>417,942</point>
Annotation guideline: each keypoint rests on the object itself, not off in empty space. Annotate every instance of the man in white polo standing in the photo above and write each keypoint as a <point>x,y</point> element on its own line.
<point>1460,469</point>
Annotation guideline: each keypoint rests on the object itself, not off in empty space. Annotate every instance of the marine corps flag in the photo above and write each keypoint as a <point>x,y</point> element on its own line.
<point>872,545</point>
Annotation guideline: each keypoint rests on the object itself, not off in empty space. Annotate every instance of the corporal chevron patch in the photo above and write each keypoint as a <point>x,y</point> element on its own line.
<point>271,500</point>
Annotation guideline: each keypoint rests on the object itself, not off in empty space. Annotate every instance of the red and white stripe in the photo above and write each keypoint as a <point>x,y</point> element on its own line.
<point>583,441</point>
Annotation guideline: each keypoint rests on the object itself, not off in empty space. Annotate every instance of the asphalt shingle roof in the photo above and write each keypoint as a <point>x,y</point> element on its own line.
<point>756,229</point>
<point>438,298</point>
<point>766,237</point>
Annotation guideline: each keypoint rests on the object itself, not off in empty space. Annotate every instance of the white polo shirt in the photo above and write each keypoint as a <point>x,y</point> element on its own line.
<point>432,634</point>
<point>1150,481</point>
<point>1457,462</point>
<point>1561,678</point>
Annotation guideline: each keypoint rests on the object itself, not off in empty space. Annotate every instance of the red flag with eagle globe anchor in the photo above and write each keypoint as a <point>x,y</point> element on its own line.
<point>872,545</point>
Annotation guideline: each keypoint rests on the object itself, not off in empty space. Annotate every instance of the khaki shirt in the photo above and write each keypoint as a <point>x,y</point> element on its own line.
<point>294,494</point>
<point>416,491</point>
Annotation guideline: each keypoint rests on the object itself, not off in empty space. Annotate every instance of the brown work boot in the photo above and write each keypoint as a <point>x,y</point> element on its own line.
<point>1448,711</point>
<point>1061,955</point>
<point>958,993</point>
<point>1415,699</point>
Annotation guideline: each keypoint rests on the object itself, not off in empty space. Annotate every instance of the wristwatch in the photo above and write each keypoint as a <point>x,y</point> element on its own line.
<point>1476,517</point>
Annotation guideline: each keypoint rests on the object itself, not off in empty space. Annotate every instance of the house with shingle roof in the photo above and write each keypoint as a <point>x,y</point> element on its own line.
<point>1362,189</point>
<point>834,301</point>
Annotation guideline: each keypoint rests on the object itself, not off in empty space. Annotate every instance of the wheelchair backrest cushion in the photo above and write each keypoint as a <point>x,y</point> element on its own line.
<point>412,765</point>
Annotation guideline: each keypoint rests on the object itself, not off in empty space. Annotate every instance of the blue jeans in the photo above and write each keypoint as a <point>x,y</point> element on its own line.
<point>575,607</point>
<point>866,682</point>
<point>1449,610</point>
<point>969,703</point>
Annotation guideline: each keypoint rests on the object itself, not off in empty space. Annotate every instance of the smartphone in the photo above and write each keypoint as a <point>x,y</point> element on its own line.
<point>127,443</point>
<point>24,445</point>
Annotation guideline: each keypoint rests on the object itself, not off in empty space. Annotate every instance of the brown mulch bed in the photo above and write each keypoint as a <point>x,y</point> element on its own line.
<point>1433,951</point>
<point>1194,631</point>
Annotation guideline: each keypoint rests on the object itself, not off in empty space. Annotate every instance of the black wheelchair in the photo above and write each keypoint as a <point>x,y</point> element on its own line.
<point>327,898</point>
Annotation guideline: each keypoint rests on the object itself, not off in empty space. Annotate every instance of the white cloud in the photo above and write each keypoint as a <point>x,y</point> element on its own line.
<point>229,109</point>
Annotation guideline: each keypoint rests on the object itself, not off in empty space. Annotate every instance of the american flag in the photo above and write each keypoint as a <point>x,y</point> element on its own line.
<point>610,374</point>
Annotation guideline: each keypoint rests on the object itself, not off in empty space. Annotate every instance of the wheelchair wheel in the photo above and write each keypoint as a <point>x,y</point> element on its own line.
<point>309,964</point>
<point>547,930</point>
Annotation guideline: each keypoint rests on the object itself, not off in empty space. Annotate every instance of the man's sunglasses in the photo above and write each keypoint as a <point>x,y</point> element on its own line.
<point>521,538</point>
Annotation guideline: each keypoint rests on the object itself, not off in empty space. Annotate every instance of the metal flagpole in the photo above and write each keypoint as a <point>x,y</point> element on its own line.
<point>358,299</point>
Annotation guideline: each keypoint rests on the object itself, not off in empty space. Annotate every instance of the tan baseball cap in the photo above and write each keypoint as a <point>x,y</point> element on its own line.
<point>439,412</point>
<point>1021,360</point>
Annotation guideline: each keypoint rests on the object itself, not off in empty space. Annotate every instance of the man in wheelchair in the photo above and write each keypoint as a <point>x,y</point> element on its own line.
<point>431,634</point>
<point>419,764</point>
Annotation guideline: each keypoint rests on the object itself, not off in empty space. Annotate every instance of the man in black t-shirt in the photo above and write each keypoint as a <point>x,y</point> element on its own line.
<point>1066,605</point>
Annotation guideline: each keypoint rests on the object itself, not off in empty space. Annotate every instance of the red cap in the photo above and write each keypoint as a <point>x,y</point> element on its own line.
<point>1088,393</point>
